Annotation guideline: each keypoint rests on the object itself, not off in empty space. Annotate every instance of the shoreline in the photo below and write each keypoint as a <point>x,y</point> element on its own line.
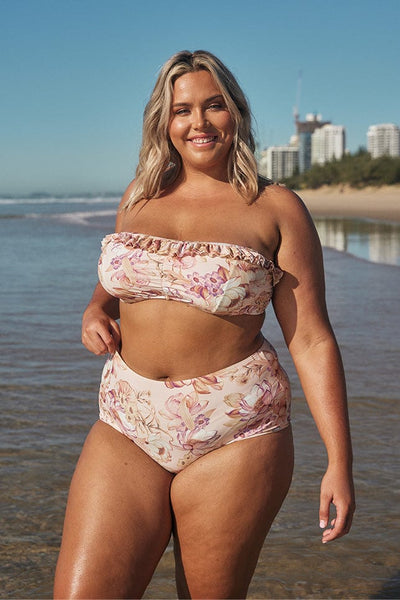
<point>382,203</point>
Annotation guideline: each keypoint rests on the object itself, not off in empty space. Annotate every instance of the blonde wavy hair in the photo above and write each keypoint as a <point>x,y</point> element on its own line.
<point>160,163</point>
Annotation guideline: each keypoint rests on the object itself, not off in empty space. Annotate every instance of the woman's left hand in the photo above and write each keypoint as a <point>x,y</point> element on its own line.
<point>336,488</point>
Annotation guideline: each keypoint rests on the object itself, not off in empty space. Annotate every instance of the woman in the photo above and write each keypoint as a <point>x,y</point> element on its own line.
<point>194,435</point>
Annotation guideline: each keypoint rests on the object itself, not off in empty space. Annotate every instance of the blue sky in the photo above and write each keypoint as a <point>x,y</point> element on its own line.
<point>76,74</point>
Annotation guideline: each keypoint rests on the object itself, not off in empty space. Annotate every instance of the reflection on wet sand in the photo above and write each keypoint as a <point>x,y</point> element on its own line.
<point>371,240</point>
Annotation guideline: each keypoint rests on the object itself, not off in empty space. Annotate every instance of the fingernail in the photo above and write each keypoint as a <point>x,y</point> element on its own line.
<point>322,524</point>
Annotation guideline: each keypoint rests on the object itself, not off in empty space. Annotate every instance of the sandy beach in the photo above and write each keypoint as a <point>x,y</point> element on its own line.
<point>371,202</point>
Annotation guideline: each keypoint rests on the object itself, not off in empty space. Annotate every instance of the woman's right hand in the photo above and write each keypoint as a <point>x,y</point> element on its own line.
<point>100,333</point>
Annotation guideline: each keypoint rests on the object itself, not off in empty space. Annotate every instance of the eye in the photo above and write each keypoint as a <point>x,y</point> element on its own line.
<point>216,106</point>
<point>181,111</point>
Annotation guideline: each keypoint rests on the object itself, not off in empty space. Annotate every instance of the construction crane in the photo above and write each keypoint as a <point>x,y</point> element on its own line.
<point>296,108</point>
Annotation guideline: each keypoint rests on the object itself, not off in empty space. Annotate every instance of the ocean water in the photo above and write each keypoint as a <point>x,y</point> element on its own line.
<point>48,399</point>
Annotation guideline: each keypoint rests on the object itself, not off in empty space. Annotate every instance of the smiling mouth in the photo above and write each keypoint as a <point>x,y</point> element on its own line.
<point>204,140</point>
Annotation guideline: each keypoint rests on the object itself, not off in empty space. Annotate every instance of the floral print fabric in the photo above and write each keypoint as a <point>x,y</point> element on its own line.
<point>215,277</point>
<point>176,422</point>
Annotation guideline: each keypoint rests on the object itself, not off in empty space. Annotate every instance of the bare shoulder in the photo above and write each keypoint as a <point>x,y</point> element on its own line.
<point>121,211</point>
<point>126,195</point>
<point>126,213</point>
<point>297,234</point>
<point>284,204</point>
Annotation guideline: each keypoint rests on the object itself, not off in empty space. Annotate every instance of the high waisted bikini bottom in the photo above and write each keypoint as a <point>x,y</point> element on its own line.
<point>176,422</point>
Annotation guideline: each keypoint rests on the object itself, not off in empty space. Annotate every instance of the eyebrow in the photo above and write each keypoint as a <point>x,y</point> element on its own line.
<point>205,101</point>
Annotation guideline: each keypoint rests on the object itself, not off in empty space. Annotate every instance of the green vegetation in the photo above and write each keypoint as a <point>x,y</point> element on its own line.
<point>357,170</point>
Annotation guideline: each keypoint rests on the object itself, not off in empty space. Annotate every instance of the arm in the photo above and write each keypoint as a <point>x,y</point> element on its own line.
<point>299,303</point>
<point>100,331</point>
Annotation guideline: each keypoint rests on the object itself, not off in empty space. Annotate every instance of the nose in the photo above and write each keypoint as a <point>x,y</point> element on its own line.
<point>199,119</point>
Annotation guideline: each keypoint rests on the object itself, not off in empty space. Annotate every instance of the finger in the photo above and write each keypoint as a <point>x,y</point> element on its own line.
<point>324,507</point>
<point>97,340</point>
<point>113,338</point>
<point>108,340</point>
<point>96,345</point>
<point>339,527</point>
<point>116,334</point>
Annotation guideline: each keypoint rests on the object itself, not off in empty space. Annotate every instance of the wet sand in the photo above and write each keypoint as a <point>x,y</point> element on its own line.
<point>371,202</point>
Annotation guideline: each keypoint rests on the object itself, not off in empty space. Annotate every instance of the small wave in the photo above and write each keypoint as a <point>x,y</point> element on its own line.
<point>81,218</point>
<point>12,216</point>
<point>78,217</point>
<point>59,200</point>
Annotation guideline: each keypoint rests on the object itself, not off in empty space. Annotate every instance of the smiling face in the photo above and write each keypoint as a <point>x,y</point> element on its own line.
<point>201,127</point>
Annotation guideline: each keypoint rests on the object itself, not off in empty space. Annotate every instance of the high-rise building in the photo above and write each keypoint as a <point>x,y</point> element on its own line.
<point>304,130</point>
<point>278,162</point>
<point>327,142</point>
<point>383,139</point>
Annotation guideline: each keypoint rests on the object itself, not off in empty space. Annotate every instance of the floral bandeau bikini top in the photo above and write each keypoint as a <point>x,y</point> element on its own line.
<point>219,278</point>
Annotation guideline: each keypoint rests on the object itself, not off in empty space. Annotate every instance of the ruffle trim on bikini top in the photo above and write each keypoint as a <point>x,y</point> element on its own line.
<point>179,248</point>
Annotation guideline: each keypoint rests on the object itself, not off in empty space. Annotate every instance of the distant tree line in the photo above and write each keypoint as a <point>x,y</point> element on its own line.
<point>357,170</point>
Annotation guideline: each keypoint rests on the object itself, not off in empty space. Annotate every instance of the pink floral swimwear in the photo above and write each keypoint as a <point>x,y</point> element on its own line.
<point>176,422</point>
<point>219,278</point>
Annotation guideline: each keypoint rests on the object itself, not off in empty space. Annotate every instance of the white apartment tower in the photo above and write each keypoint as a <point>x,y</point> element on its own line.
<point>327,142</point>
<point>278,162</point>
<point>383,139</point>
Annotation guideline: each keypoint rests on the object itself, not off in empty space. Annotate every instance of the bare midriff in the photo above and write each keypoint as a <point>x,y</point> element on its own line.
<point>167,339</point>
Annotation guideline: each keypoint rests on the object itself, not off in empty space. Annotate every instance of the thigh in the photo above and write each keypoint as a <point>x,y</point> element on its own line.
<point>224,504</point>
<point>118,520</point>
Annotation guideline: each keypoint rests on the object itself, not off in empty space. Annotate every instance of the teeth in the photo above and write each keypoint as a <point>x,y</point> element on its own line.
<point>203,140</point>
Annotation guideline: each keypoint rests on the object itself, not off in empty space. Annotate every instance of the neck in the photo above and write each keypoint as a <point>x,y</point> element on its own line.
<point>206,179</point>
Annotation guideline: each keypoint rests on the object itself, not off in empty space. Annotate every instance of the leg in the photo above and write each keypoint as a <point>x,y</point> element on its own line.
<point>224,504</point>
<point>118,520</point>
